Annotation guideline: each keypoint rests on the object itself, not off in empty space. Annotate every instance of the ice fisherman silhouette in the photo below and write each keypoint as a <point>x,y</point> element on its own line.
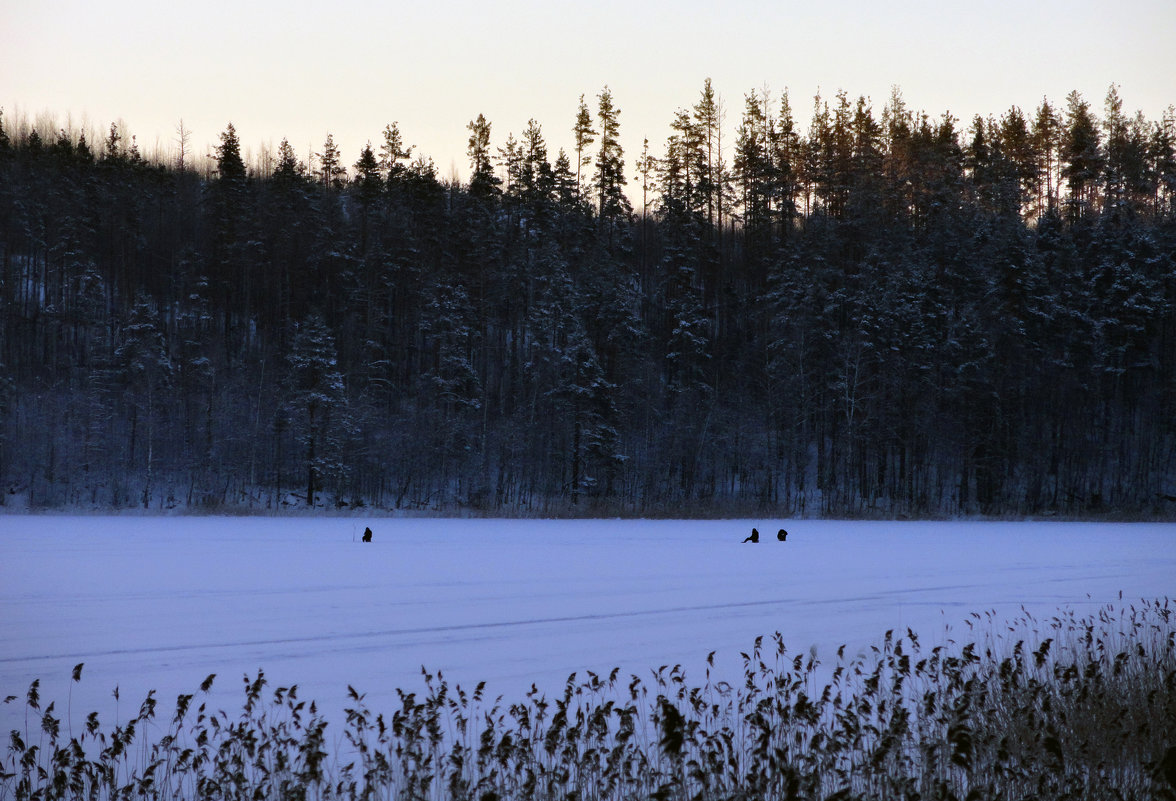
<point>754,536</point>
<point>781,535</point>
<point>367,534</point>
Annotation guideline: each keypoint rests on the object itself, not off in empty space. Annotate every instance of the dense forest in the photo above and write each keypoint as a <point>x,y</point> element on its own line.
<point>885,314</point>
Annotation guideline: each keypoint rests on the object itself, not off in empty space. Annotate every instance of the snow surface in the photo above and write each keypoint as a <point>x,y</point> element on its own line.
<point>160,603</point>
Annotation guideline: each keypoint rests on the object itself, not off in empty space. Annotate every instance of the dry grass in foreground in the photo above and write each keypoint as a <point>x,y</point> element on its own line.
<point>1068,708</point>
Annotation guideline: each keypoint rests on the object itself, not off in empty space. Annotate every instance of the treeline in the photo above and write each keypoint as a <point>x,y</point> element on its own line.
<point>884,314</point>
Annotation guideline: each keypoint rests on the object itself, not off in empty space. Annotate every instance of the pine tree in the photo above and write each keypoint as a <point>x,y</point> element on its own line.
<point>785,156</point>
<point>392,152</point>
<point>682,169</point>
<point>584,135</point>
<point>838,158</point>
<point>1125,180</point>
<point>332,173</point>
<point>708,118</point>
<point>819,156</point>
<point>1115,129</point>
<point>510,157</point>
<point>113,150</point>
<point>754,169</point>
<point>1018,151</point>
<point>865,191</point>
<point>1046,134</point>
<point>978,159</point>
<point>1081,154</point>
<point>898,158</point>
<point>483,182</point>
<point>647,166</point>
<point>1162,161</point>
<point>609,178</point>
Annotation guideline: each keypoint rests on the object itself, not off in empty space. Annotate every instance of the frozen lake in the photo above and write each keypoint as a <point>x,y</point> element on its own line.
<point>159,603</point>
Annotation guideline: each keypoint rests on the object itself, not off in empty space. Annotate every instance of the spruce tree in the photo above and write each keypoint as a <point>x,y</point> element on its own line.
<point>316,403</point>
<point>367,176</point>
<point>536,174</point>
<point>84,154</point>
<point>563,180</point>
<point>369,187</point>
<point>288,168</point>
<point>232,266</point>
<point>146,368</point>
<point>230,167</point>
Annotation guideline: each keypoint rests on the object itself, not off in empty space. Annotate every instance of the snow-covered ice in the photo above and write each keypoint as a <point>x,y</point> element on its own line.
<point>161,602</point>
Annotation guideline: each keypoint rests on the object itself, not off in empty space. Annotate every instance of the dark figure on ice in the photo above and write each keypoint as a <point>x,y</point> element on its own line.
<point>754,536</point>
<point>367,535</point>
<point>781,535</point>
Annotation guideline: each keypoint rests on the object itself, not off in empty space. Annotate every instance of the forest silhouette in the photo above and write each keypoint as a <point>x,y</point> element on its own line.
<point>885,314</point>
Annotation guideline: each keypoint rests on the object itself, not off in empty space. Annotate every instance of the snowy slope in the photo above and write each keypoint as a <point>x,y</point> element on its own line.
<point>159,603</point>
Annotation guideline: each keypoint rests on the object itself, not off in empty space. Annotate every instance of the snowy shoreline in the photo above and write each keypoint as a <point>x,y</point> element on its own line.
<point>19,508</point>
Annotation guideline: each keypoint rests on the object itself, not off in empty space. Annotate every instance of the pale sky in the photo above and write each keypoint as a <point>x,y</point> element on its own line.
<point>304,69</point>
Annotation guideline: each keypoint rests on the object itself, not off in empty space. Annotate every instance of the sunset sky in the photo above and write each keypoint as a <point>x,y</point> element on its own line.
<point>302,70</point>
